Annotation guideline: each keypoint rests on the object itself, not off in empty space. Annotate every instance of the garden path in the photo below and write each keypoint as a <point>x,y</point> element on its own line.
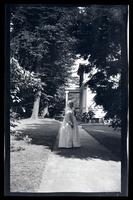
<point>90,168</point>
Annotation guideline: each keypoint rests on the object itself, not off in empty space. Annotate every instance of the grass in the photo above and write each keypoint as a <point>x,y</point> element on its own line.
<point>28,164</point>
<point>106,136</point>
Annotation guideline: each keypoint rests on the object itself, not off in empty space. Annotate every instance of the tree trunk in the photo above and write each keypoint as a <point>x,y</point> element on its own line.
<point>45,112</point>
<point>36,105</point>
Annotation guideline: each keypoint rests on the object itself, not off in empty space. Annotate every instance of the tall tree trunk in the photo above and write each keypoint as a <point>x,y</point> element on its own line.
<point>36,104</point>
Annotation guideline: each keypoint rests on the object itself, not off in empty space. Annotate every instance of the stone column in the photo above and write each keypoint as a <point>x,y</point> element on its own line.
<point>85,98</point>
<point>66,97</point>
<point>86,106</point>
<point>80,101</point>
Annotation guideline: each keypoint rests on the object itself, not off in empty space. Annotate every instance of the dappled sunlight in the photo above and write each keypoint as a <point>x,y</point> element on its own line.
<point>23,123</point>
<point>42,132</point>
<point>83,163</point>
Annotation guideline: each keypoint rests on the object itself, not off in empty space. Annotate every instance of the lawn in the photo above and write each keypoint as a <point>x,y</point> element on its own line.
<point>106,136</point>
<point>28,162</point>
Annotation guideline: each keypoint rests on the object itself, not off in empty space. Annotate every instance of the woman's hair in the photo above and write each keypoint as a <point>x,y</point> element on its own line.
<point>70,104</point>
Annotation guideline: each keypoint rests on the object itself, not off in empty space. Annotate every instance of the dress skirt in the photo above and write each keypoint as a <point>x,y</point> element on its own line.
<point>68,136</point>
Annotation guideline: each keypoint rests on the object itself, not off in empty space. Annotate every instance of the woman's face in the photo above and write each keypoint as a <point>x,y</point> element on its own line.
<point>71,105</point>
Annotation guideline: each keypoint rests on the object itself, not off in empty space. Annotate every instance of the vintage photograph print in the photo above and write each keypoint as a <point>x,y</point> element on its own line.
<point>67,86</point>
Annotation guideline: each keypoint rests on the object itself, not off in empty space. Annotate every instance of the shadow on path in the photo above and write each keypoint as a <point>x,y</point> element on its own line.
<point>46,133</point>
<point>90,149</point>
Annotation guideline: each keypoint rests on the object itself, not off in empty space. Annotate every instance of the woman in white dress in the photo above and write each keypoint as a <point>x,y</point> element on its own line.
<point>69,133</point>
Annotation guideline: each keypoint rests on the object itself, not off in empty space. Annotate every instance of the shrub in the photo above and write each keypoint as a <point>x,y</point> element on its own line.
<point>14,148</point>
<point>27,139</point>
<point>17,134</point>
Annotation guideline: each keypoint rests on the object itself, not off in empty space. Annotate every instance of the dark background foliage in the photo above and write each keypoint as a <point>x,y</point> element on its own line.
<point>45,40</point>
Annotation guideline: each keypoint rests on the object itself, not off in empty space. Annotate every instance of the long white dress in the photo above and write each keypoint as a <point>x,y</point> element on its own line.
<point>68,136</point>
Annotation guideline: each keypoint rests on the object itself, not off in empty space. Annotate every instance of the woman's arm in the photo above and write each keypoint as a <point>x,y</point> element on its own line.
<point>70,119</point>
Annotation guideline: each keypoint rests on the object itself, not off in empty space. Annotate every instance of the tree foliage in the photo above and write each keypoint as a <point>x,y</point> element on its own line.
<point>45,41</point>
<point>41,42</point>
<point>23,86</point>
<point>100,34</point>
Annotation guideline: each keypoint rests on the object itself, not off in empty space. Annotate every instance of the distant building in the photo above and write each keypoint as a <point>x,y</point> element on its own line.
<point>87,102</point>
<point>83,96</point>
<point>73,93</point>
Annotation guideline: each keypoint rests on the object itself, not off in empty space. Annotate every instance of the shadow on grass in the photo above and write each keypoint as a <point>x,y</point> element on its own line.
<point>111,140</point>
<point>47,134</point>
<point>41,133</point>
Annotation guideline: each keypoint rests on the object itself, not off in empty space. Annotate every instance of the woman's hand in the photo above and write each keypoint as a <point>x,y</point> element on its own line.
<point>72,126</point>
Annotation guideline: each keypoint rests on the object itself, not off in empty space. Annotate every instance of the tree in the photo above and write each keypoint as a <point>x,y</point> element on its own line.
<point>57,104</point>
<point>22,81</point>
<point>101,34</point>
<point>41,41</point>
<point>45,40</point>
